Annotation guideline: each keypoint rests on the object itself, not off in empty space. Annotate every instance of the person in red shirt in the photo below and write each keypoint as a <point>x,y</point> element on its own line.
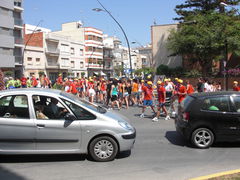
<point>103,90</point>
<point>47,81</point>
<point>182,91</point>
<point>72,88</point>
<point>24,82</point>
<point>161,100</point>
<point>235,86</point>
<point>190,88</point>
<point>34,81</point>
<point>147,93</point>
<point>59,79</point>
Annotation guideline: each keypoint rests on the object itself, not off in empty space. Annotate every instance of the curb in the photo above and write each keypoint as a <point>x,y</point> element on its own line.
<point>216,175</point>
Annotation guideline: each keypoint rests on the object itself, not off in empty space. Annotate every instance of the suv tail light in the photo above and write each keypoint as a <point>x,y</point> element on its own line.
<point>186,116</point>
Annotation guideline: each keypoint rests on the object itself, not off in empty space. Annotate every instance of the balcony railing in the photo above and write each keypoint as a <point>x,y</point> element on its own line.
<point>18,40</point>
<point>18,60</point>
<point>18,22</point>
<point>52,52</point>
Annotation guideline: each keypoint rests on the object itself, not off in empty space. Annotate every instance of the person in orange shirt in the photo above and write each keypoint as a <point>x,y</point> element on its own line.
<point>182,91</point>
<point>134,91</point>
<point>190,88</point>
<point>235,86</point>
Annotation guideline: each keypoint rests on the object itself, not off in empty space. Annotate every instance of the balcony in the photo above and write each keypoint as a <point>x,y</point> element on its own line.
<point>18,6</point>
<point>108,56</point>
<point>18,22</point>
<point>18,60</point>
<point>52,65</point>
<point>19,41</point>
<point>52,52</point>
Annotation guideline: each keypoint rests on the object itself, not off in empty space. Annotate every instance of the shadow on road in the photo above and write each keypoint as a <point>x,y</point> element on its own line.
<point>6,174</point>
<point>226,145</point>
<point>41,158</point>
<point>123,154</point>
<point>174,138</point>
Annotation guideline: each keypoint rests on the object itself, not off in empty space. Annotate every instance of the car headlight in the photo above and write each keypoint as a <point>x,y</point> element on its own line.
<point>125,125</point>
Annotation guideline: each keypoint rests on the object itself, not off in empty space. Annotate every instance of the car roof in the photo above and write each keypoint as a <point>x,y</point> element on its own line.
<point>218,93</point>
<point>31,90</point>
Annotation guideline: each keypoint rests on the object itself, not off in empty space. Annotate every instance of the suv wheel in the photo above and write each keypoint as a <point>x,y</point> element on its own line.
<point>103,149</point>
<point>202,138</point>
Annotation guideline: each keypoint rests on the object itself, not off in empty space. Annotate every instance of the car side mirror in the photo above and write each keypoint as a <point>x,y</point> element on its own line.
<point>69,117</point>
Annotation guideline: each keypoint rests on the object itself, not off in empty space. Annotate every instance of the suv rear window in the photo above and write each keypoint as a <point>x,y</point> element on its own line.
<point>185,103</point>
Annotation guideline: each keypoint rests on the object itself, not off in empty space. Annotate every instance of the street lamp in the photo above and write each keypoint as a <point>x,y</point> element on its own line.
<point>105,10</point>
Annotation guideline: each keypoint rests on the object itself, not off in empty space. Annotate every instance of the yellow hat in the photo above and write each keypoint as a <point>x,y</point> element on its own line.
<point>180,81</point>
<point>176,79</point>
<point>59,74</point>
<point>169,79</point>
<point>235,82</point>
<point>142,80</point>
<point>149,76</point>
<point>154,86</point>
<point>166,80</point>
<point>149,82</point>
<point>159,82</point>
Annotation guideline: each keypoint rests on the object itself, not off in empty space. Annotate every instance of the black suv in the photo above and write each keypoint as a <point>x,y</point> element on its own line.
<point>204,118</point>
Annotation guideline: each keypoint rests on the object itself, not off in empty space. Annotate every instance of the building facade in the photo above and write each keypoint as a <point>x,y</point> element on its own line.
<point>53,53</point>
<point>92,38</point>
<point>11,36</point>
<point>160,53</point>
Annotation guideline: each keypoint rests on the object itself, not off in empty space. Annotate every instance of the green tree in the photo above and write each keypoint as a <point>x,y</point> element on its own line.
<point>204,41</point>
<point>118,70</point>
<point>195,7</point>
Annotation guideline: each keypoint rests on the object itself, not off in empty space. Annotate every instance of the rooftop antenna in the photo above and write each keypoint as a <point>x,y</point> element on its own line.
<point>154,22</point>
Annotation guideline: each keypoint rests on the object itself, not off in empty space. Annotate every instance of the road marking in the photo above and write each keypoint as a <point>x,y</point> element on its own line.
<point>217,175</point>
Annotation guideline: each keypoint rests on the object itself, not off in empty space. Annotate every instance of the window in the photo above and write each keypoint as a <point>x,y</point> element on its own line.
<point>65,62</point>
<point>216,104</point>
<point>72,51</point>
<point>65,48</point>
<point>48,108</point>
<point>81,65</point>
<point>236,100</point>
<point>37,61</point>
<point>29,61</point>
<point>90,37</point>
<point>14,107</point>
<point>79,112</point>
<point>72,64</point>
<point>81,52</point>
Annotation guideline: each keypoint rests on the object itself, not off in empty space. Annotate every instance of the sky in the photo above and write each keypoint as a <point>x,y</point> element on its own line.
<point>135,16</point>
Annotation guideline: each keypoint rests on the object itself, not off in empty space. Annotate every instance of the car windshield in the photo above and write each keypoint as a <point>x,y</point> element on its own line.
<point>85,103</point>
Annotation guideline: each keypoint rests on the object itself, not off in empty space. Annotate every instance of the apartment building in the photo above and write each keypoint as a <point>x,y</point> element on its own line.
<point>160,53</point>
<point>11,36</point>
<point>92,38</point>
<point>52,53</point>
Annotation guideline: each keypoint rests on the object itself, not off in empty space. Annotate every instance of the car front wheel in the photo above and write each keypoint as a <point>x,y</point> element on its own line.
<point>202,138</point>
<point>103,149</point>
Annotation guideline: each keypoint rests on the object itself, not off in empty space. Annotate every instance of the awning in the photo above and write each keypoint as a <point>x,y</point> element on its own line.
<point>100,73</point>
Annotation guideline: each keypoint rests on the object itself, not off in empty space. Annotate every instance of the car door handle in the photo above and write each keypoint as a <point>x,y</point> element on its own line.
<point>41,126</point>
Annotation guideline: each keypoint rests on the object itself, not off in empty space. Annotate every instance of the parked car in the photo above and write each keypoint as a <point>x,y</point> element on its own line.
<point>205,118</point>
<point>45,121</point>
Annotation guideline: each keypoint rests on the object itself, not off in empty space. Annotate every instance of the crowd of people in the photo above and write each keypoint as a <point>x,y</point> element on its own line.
<point>122,93</point>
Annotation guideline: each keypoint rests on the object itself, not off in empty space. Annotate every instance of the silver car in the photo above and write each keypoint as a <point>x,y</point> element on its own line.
<point>45,121</point>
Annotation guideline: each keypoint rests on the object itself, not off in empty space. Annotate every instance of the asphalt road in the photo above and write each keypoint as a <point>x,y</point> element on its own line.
<point>159,153</point>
